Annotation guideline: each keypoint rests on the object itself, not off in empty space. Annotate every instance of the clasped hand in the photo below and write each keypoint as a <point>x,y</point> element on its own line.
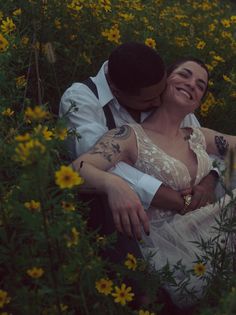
<point>202,194</point>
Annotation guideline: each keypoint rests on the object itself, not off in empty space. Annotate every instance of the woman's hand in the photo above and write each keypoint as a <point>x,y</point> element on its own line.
<point>128,213</point>
<point>203,193</point>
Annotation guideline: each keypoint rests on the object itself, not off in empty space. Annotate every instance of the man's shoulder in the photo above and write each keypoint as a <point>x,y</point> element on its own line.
<point>78,90</point>
<point>77,87</point>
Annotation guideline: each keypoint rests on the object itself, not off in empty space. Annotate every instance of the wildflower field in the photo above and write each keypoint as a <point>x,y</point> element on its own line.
<point>50,262</point>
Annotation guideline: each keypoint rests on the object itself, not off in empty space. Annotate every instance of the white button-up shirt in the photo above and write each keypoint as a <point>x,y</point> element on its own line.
<point>87,118</point>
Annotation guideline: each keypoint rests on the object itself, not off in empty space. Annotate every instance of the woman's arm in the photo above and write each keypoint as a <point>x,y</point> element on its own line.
<point>218,143</point>
<point>116,145</point>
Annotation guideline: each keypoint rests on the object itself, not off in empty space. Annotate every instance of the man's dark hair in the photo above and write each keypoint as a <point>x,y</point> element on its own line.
<point>133,66</point>
<point>182,60</point>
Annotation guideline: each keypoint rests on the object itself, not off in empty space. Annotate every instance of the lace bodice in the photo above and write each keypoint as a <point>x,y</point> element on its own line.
<point>154,161</point>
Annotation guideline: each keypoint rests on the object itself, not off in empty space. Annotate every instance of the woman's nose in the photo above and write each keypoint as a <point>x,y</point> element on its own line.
<point>190,84</point>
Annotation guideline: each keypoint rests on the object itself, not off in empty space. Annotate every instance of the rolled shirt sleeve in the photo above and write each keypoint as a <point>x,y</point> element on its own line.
<point>144,185</point>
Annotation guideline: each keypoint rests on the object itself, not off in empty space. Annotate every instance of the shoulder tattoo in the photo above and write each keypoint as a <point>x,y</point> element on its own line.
<point>222,145</point>
<point>123,132</point>
<point>108,149</point>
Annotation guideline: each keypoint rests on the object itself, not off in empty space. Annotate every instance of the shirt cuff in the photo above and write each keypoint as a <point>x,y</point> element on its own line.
<point>144,185</point>
<point>148,188</point>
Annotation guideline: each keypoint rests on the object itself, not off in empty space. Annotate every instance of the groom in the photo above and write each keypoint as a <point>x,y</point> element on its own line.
<point>126,90</point>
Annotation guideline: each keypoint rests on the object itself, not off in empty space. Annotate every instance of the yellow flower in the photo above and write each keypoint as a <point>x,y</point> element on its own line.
<point>211,27</point>
<point>63,307</point>
<point>67,178</point>
<point>20,81</point>
<point>17,12</point>
<point>206,7</point>
<point>73,239</point>
<point>113,34</point>
<point>142,312</point>
<point>35,272</point>
<point>204,108</point>
<point>4,298</point>
<point>123,294</point>
<point>184,24</point>
<point>126,16</point>
<point>200,44</point>
<point>225,34</point>
<point>32,205</point>
<point>28,151</point>
<point>218,58</point>
<point>150,42</point>
<point>131,262</point>
<point>75,5</point>
<point>225,23</point>
<point>8,112</point>
<point>180,16</point>
<point>24,40</point>
<point>104,286</point>
<point>209,67</point>
<point>199,269</point>
<point>210,82</point>
<point>180,41</point>
<point>8,26</point>
<point>105,4</point>
<point>61,133</point>
<point>3,43</point>
<point>233,94</point>
<point>47,134</point>
<point>23,138</point>
<point>226,78</point>
<point>57,24</point>
<point>68,206</point>
<point>233,18</point>
<point>36,113</point>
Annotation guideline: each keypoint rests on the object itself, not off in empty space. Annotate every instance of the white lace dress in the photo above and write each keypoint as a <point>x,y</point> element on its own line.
<point>171,234</point>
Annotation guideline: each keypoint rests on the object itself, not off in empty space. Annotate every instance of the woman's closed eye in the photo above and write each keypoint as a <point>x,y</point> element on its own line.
<point>184,74</point>
<point>201,87</point>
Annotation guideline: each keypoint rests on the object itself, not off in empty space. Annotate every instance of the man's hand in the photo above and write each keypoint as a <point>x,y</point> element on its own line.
<point>168,199</point>
<point>128,213</point>
<point>204,192</point>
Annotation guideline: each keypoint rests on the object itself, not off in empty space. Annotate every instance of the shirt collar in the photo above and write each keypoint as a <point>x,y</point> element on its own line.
<point>104,92</point>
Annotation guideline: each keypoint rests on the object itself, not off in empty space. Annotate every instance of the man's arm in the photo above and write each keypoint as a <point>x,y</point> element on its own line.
<point>84,115</point>
<point>150,190</point>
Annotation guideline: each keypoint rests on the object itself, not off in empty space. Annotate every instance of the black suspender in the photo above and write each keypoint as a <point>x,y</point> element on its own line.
<point>107,111</point>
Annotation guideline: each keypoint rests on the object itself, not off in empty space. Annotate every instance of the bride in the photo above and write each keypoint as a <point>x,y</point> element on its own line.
<point>179,157</point>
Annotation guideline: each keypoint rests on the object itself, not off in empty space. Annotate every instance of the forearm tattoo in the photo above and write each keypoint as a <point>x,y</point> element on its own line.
<point>222,145</point>
<point>109,147</point>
